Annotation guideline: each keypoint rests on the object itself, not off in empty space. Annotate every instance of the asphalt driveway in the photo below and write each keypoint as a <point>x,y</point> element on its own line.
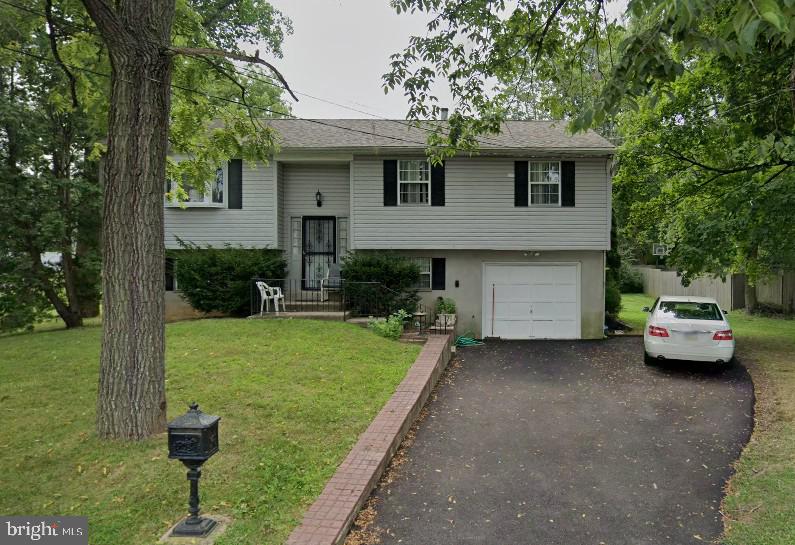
<point>570,443</point>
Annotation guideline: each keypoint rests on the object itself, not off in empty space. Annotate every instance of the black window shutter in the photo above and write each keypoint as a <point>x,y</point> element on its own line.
<point>390,183</point>
<point>437,273</point>
<point>235,184</point>
<point>567,183</point>
<point>437,185</point>
<point>520,183</point>
<point>169,274</point>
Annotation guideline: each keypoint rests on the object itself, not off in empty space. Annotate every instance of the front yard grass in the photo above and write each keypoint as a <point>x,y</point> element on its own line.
<point>759,508</point>
<point>293,397</point>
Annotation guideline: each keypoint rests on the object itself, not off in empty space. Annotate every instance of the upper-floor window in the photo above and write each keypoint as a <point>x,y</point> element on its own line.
<point>414,182</point>
<point>211,194</point>
<point>544,178</point>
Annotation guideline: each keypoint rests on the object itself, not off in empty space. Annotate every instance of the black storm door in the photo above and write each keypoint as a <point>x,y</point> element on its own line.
<point>319,249</point>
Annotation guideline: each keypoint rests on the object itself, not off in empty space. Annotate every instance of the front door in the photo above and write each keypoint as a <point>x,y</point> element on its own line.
<point>319,249</point>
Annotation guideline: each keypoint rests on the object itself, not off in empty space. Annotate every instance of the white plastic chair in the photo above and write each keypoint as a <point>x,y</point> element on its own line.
<point>267,294</point>
<point>331,282</point>
<point>277,295</point>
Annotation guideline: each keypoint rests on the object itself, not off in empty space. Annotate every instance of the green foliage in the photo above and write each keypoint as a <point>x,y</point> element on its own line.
<point>284,391</point>
<point>20,305</point>
<point>707,168</point>
<point>52,131</point>
<point>390,327</point>
<point>384,278</point>
<point>612,297</point>
<point>49,185</point>
<point>700,95</point>
<point>473,41</point>
<point>445,305</point>
<point>629,280</point>
<point>219,279</point>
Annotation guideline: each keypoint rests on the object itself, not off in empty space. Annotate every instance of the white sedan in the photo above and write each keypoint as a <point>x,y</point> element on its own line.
<point>687,328</point>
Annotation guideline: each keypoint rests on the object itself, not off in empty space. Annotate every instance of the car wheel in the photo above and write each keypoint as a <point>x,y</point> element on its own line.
<point>648,360</point>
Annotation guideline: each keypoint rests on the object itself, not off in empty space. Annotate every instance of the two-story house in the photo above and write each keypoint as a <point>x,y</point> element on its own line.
<point>515,234</point>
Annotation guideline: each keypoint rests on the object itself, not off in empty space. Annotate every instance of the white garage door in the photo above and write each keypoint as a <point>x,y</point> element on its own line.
<point>531,301</point>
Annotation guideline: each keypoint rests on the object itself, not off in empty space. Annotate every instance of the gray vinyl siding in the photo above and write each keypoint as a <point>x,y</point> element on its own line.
<point>253,226</point>
<point>282,230</point>
<point>480,212</point>
<point>300,183</point>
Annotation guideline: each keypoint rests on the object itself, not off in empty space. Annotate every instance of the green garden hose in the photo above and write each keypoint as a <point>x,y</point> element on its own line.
<point>467,340</point>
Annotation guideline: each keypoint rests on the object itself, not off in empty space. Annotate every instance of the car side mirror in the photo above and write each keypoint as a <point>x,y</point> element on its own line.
<point>646,309</point>
<point>725,311</point>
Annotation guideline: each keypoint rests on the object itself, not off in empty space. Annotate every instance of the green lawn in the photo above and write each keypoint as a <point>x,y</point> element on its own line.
<point>293,397</point>
<point>760,505</point>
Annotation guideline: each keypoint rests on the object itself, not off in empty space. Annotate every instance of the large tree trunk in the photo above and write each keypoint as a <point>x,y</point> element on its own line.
<point>62,172</point>
<point>752,255</point>
<point>132,401</point>
<point>750,297</point>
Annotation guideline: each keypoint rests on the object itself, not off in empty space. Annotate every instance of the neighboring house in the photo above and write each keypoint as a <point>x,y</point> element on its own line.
<point>515,234</point>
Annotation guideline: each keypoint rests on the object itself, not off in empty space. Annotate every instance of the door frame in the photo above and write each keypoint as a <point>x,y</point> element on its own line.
<point>304,220</point>
<point>484,291</point>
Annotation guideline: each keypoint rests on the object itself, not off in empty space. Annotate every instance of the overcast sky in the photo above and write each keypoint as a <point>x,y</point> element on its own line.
<point>339,51</point>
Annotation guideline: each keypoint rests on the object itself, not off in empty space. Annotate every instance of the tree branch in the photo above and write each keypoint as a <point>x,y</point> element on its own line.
<point>676,155</point>
<point>54,48</point>
<point>234,56</point>
<point>547,24</point>
<point>105,19</point>
<point>233,79</point>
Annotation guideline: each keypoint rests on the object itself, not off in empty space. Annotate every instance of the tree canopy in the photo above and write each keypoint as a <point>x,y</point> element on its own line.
<point>698,95</point>
<point>54,100</point>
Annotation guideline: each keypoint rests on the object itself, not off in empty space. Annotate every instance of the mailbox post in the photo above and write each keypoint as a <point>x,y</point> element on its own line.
<point>192,439</point>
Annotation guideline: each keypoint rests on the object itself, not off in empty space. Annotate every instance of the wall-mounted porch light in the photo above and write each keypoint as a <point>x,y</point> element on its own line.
<point>319,198</point>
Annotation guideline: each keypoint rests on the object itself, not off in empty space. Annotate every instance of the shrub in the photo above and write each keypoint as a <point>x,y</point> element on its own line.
<point>629,280</point>
<point>391,327</point>
<point>396,275</point>
<point>445,305</point>
<point>219,279</point>
<point>612,297</point>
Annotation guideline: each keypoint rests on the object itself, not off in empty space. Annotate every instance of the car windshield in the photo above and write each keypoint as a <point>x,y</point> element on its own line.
<point>684,310</point>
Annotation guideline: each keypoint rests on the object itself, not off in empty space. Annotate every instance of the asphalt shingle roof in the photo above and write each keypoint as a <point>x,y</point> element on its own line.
<point>396,134</point>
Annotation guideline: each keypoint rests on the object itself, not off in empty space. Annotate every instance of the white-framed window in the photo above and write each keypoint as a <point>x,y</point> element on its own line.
<point>424,263</point>
<point>213,194</point>
<point>544,179</point>
<point>414,182</point>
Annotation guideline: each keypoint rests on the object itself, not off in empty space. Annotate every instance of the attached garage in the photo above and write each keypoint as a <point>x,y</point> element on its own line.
<point>531,300</point>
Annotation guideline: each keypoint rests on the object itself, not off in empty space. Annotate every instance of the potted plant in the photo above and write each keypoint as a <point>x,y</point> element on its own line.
<point>445,312</point>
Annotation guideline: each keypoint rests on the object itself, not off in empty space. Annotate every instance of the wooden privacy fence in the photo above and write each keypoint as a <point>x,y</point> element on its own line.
<point>657,282</point>
<point>778,291</point>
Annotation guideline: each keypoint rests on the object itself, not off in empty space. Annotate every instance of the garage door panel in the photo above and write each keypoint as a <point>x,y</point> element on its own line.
<point>564,274</point>
<point>512,329</point>
<point>562,293</point>
<point>550,291</point>
<point>554,311</point>
<point>513,292</point>
<point>512,310</point>
<point>554,293</point>
<point>554,329</point>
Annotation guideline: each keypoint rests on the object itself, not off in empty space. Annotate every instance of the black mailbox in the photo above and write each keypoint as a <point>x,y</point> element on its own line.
<point>192,439</point>
<point>193,436</point>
